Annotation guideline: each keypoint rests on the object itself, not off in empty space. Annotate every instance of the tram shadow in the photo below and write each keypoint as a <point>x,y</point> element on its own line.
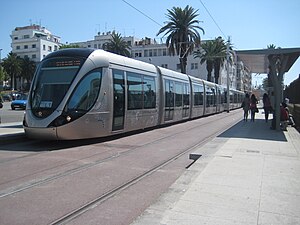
<point>259,130</point>
<point>22,143</point>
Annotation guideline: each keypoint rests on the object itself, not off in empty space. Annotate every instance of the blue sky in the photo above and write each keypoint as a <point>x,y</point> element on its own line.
<point>250,24</point>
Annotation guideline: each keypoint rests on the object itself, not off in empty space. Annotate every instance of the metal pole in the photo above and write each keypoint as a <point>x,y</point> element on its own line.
<point>0,55</point>
<point>227,59</point>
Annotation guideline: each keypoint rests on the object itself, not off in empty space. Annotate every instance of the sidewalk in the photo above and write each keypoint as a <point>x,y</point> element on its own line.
<point>11,131</point>
<point>249,174</point>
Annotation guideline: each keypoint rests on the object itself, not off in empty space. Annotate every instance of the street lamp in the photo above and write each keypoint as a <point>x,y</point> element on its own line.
<point>0,55</point>
<point>227,59</point>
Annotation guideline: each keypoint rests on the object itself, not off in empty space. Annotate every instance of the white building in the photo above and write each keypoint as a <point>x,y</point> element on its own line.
<point>148,50</point>
<point>101,39</point>
<point>34,42</point>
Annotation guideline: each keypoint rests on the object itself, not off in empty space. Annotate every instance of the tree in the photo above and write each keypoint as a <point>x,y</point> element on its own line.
<point>207,55</point>
<point>214,53</point>
<point>68,46</point>
<point>220,56</point>
<point>182,33</point>
<point>117,45</point>
<point>28,68</point>
<point>12,65</point>
<point>3,74</point>
<point>271,46</point>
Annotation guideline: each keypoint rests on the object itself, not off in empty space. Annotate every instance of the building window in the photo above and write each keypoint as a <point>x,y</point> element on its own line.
<point>137,54</point>
<point>89,46</point>
<point>164,66</point>
<point>150,53</point>
<point>26,36</point>
<point>146,53</point>
<point>154,52</point>
<point>16,38</point>
<point>34,56</point>
<point>25,46</point>
<point>18,47</point>
<point>178,67</point>
<point>55,48</point>
<point>44,47</point>
<point>159,52</point>
<point>194,66</point>
<point>33,46</point>
<point>50,48</point>
<point>164,52</point>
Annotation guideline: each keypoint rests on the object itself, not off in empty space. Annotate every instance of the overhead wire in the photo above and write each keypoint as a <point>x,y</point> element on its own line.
<point>142,13</point>
<point>225,37</point>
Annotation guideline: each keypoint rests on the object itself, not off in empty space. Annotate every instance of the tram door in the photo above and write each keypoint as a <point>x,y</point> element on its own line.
<point>169,100</point>
<point>119,100</point>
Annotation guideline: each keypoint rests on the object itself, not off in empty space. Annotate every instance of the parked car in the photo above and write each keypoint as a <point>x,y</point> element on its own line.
<point>20,102</point>
<point>6,98</point>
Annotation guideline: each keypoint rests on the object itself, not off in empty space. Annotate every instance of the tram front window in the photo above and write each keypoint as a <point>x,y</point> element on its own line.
<point>51,83</point>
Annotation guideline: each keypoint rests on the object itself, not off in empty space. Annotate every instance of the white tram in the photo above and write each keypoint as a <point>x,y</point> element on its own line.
<point>87,93</point>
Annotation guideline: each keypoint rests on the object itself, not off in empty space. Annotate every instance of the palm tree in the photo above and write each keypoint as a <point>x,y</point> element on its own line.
<point>28,67</point>
<point>182,32</point>
<point>271,46</point>
<point>12,65</point>
<point>214,53</point>
<point>207,55</point>
<point>117,45</point>
<point>220,56</point>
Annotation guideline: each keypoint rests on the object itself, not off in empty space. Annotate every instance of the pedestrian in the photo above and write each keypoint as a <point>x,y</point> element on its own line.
<point>253,107</point>
<point>290,116</point>
<point>246,106</point>
<point>267,106</point>
<point>1,105</point>
<point>284,117</point>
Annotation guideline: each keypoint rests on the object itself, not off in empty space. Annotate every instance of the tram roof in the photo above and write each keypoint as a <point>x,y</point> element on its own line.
<point>257,60</point>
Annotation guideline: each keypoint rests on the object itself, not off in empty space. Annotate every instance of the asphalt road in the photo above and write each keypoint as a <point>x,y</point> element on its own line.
<point>43,182</point>
<point>11,116</point>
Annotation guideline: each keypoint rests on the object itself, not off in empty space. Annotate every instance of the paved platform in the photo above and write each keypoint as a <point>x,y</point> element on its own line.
<point>11,131</point>
<point>249,174</point>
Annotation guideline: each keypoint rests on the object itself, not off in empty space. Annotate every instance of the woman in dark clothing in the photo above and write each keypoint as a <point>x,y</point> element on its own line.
<point>267,106</point>
<point>246,106</point>
<point>253,107</point>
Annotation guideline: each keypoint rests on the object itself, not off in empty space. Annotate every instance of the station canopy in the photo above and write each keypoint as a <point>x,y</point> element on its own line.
<point>274,62</point>
<point>257,60</point>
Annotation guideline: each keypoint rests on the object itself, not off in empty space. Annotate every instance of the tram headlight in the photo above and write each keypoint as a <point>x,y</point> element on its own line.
<point>59,121</point>
<point>66,117</point>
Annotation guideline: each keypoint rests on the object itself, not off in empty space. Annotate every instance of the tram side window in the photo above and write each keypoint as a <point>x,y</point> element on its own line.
<point>223,97</point>
<point>231,97</point>
<point>186,94</point>
<point>178,94</point>
<point>198,95</point>
<point>209,96</point>
<point>169,93</point>
<point>214,97</point>
<point>135,91</point>
<point>149,92</point>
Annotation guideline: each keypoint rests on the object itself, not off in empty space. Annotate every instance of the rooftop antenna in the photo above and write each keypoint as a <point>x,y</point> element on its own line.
<point>99,28</point>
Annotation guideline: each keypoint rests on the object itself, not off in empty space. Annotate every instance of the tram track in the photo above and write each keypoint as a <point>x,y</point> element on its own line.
<point>35,183</point>
<point>92,204</point>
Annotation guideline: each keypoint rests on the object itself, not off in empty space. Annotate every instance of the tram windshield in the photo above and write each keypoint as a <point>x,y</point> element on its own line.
<point>51,83</point>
